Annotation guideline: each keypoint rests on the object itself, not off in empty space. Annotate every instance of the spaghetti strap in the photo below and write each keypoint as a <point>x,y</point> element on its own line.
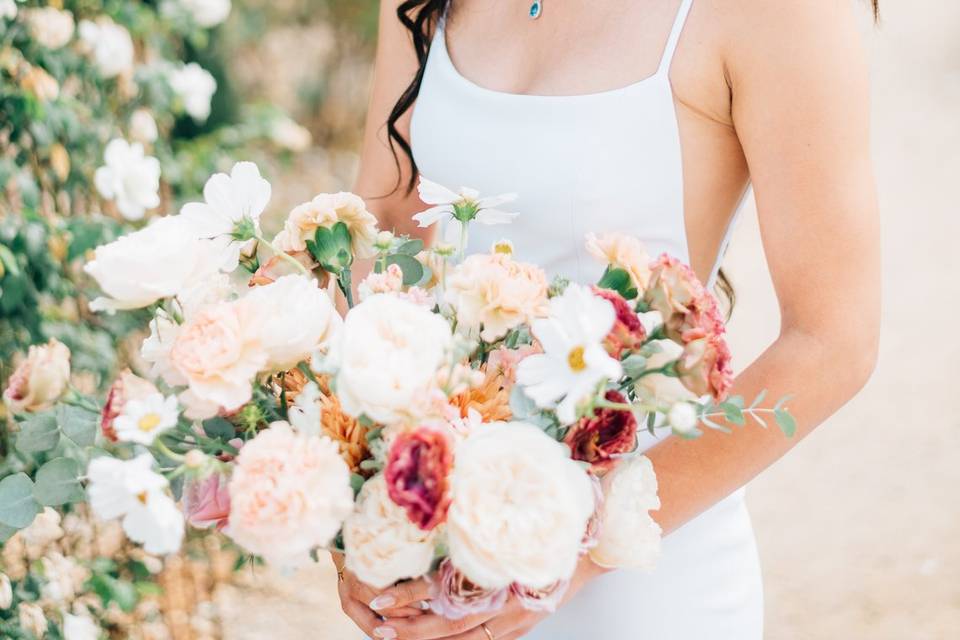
<point>675,34</point>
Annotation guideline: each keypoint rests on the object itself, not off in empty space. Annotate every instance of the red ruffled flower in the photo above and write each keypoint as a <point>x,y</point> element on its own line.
<point>628,332</point>
<point>597,439</point>
<point>416,473</point>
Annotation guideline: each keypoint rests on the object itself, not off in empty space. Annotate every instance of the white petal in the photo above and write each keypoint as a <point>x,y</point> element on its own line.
<point>433,215</point>
<point>551,336</point>
<point>597,359</point>
<point>495,216</point>
<point>433,193</point>
<point>103,180</point>
<point>492,202</point>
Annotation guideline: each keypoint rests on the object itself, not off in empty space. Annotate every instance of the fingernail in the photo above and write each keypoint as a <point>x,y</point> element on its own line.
<point>385,632</point>
<point>383,602</point>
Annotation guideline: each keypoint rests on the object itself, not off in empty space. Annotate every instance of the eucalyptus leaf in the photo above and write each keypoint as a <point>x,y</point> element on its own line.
<point>786,422</point>
<point>411,247</point>
<point>521,405</point>
<point>6,532</point>
<point>411,267</point>
<point>58,482</point>
<point>17,505</point>
<point>733,413</point>
<point>78,424</point>
<point>634,365</point>
<point>38,433</point>
<point>219,428</point>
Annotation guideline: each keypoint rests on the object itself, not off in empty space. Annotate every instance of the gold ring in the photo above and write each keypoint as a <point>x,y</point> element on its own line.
<point>487,631</point>
<point>340,575</point>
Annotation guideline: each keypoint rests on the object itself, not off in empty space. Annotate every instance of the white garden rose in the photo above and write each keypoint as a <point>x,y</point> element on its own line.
<point>629,537</point>
<point>195,87</point>
<point>109,44</point>
<point>49,26</point>
<point>382,544</point>
<point>298,317</point>
<point>140,268</point>
<point>520,507</point>
<point>660,389</point>
<point>143,126</point>
<point>207,13</point>
<point>389,352</point>
<point>129,177</point>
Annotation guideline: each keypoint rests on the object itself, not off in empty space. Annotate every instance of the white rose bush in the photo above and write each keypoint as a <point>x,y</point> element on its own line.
<point>463,419</point>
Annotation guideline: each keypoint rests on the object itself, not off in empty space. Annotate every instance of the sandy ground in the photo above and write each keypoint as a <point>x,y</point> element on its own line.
<point>859,528</point>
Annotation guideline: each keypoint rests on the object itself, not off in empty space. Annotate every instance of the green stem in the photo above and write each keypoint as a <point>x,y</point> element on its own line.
<point>167,452</point>
<point>345,281</point>
<point>282,254</point>
<point>463,240</point>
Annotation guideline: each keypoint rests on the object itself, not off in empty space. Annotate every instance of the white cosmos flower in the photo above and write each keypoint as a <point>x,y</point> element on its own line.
<point>464,205</point>
<point>131,491</point>
<point>129,177</point>
<point>109,44</point>
<point>207,13</point>
<point>156,262</point>
<point>574,360</point>
<point>195,87</point>
<point>143,420</point>
<point>230,203</point>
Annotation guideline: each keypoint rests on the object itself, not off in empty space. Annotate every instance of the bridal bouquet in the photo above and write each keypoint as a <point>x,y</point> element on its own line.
<point>466,419</point>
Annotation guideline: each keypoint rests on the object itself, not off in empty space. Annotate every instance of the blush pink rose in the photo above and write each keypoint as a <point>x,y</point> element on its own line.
<point>416,473</point>
<point>125,388</point>
<point>206,502</point>
<point>599,438</point>
<point>704,367</point>
<point>40,379</point>
<point>544,600</point>
<point>628,333</point>
<point>453,596</point>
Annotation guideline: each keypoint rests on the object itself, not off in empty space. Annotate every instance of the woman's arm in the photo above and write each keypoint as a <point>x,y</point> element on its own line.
<point>378,181</point>
<point>800,92</point>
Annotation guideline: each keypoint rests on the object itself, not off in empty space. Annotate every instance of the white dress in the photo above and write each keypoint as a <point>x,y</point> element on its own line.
<point>608,161</point>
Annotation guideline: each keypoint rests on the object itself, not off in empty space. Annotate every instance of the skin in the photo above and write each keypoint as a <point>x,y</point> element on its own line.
<point>774,93</point>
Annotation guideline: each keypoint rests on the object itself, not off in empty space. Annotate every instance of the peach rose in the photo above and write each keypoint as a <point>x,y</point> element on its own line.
<point>622,252</point>
<point>495,294</point>
<point>388,281</point>
<point>689,311</point>
<point>216,354</point>
<point>289,494</point>
<point>704,367</point>
<point>40,380</point>
<point>325,210</point>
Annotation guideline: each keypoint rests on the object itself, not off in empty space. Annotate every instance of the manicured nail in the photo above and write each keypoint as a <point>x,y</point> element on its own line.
<point>385,632</point>
<point>383,602</point>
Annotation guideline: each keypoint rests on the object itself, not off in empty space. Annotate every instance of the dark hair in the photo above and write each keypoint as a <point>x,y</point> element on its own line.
<point>420,17</point>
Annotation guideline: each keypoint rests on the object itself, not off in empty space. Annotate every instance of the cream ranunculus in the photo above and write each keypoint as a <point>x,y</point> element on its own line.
<point>148,265</point>
<point>298,318</point>
<point>49,26</point>
<point>622,252</point>
<point>382,545</point>
<point>389,352</point>
<point>496,293</point>
<point>216,354</point>
<point>40,379</point>
<point>629,537</point>
<point>325,210</point>
<point>520,507</point>
<point>109,44</point>
<point>289,494</point>
<point>129,177</point>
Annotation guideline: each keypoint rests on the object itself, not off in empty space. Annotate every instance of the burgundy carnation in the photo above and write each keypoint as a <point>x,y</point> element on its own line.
<point>607,433</point>
<point>545,600</point>
<point>454,596</point>
<point>704,367</point>
<point>628,332</point>
<point>416,474</point>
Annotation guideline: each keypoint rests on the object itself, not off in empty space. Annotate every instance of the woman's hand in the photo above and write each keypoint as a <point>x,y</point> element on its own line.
<point>365,607</point>
<point>510,622</point>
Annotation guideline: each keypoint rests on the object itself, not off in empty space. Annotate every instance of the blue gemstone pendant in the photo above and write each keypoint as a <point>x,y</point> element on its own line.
<point>536,9</point>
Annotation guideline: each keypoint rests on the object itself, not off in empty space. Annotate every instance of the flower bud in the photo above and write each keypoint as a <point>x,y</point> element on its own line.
<point>195,460</point>
<point>682,418</point>
<point>383,241</point>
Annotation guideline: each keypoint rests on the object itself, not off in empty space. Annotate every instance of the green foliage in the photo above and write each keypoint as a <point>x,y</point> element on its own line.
<point>58,483</point>
<point>618,280</point>
<point>18,507</point>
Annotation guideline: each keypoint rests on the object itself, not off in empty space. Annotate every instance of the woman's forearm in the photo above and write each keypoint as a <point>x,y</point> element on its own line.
<point>819,376</point>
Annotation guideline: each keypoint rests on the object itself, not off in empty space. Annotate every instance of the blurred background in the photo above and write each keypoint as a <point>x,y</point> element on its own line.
<point>859,528</point>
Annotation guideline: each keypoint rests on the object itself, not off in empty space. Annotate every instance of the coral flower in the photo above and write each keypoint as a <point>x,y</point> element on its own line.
<point>599,438</point>
<point>627,333</point>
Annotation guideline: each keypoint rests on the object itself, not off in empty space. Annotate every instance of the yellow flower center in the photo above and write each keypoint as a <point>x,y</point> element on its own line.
<point>575,359</point>
<point>142,497</point>
<point>149,422</point>
<point>504,247</point>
